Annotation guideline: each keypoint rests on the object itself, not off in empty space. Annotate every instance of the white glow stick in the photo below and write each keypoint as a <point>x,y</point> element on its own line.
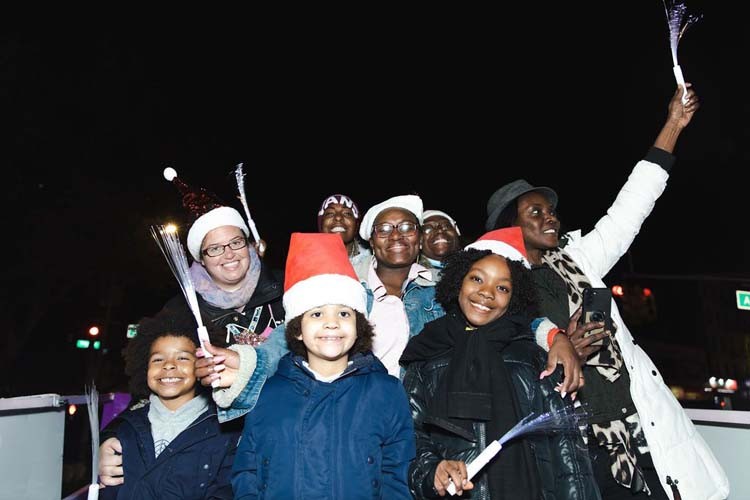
<point>563,419</point>
<point>92,404</point>
<point>476,465</point>
<point>241,188</point>
<point>173,251</point>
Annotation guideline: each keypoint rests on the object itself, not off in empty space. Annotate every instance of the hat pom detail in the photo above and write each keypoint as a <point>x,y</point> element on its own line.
<point>170,173</point>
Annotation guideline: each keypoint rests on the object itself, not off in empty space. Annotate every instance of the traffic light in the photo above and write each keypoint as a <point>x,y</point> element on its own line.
<point>92,341</point>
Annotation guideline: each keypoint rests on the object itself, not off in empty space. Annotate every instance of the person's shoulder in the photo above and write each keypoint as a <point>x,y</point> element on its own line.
<point>272,273</point>
<point>383,379</point>
<point>175,309</point>
<point>136,413</point>
<point>176,301</point>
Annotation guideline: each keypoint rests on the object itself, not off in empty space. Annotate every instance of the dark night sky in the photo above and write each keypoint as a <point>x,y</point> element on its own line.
<point>93,116</point>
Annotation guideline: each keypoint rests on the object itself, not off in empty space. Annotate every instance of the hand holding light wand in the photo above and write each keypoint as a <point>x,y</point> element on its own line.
<point>678,23</point>
<point>565,419</point>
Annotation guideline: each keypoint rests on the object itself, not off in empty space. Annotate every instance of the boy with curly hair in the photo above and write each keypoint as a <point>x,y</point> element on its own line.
<point>172,446</point>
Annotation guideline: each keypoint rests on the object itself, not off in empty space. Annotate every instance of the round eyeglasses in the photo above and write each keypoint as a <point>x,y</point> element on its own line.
<point>216,250</point>
<point>385,229</point>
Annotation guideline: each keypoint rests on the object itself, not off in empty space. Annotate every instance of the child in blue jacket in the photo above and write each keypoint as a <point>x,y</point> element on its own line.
<point>173,446</point>
<point>331,423</point>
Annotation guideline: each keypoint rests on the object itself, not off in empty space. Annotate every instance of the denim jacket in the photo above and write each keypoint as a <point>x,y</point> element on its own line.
<point>420,305</point>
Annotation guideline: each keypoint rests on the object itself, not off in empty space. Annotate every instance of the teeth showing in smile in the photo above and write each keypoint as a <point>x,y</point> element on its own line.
<point>550,231</point>
<point>440,240</point>
<point>480,307</point>
<point>170,380</point>
<point>338,229</point>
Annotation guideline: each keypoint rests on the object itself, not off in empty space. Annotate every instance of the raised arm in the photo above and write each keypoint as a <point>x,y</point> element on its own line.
<point>601,248</point>
<point>678,118</point>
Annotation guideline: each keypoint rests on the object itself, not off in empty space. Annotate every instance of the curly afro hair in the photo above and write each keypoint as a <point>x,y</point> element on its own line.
<point>138,350</point>
<point>457,265</point>
<point>363,343</point>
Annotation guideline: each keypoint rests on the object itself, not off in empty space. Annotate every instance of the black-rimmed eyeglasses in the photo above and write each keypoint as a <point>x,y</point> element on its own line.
<point>216,250</point>
<point>385,229</point>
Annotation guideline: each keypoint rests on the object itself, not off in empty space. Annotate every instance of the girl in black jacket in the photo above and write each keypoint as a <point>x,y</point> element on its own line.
<point>473,374</point>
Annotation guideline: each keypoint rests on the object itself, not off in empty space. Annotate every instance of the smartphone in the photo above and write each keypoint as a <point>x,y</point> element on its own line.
<point>597,306</point>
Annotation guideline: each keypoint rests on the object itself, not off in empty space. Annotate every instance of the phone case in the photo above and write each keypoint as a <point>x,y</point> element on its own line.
<point>597,306</point>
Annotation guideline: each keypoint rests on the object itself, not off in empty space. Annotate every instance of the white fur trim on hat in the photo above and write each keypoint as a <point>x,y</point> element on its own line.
<point>501,248</point>
<point>324,289</point>
<point>222,216</point>
<point>410,202</point>
<point>431,213</point>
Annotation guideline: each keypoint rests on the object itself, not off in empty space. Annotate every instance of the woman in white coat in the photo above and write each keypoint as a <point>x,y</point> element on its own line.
<point>641,442</point>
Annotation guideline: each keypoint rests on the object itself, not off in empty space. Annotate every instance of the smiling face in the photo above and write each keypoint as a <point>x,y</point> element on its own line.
<point>439,237</point>
<point>397,250</point>
<point>228,269</point>
<point>328,333</point>
<point>538,221</point>
<point>340,219</point>
<point>171,370</point>
<point>486,290</point>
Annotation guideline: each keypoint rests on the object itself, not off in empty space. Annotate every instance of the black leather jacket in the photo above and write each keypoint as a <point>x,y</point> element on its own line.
<point>562,459</point>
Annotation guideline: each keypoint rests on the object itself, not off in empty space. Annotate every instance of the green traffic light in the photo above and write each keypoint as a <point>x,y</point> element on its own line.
<point>83,344</point>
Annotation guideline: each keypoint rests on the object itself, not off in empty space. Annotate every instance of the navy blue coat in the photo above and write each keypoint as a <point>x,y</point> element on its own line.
<point>348,439</point>
<point>196,464</point>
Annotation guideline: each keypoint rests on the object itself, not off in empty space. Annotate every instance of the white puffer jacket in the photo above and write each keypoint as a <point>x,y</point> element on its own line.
<point>678,451</point>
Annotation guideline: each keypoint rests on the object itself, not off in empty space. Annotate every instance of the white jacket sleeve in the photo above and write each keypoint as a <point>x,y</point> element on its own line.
<point>614,233</point>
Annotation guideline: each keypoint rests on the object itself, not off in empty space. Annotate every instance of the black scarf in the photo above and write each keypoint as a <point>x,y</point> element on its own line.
<point>476,387</point>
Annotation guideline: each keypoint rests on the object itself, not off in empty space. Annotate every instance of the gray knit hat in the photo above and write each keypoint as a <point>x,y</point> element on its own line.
<point>508,194</point>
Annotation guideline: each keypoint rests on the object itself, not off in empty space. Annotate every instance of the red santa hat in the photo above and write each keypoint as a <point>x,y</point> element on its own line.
<point>206,211</point>
<point>318,272</point>
<point>507,242</point>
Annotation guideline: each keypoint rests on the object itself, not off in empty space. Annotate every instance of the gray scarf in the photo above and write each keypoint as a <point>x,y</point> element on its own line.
<point>217,297</point>
<point>167,424</point>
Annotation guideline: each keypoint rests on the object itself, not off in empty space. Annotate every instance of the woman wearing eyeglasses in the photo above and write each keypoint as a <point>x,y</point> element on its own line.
<point>240,298</point>
<point>400,291</point>
<point>440,238</point>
